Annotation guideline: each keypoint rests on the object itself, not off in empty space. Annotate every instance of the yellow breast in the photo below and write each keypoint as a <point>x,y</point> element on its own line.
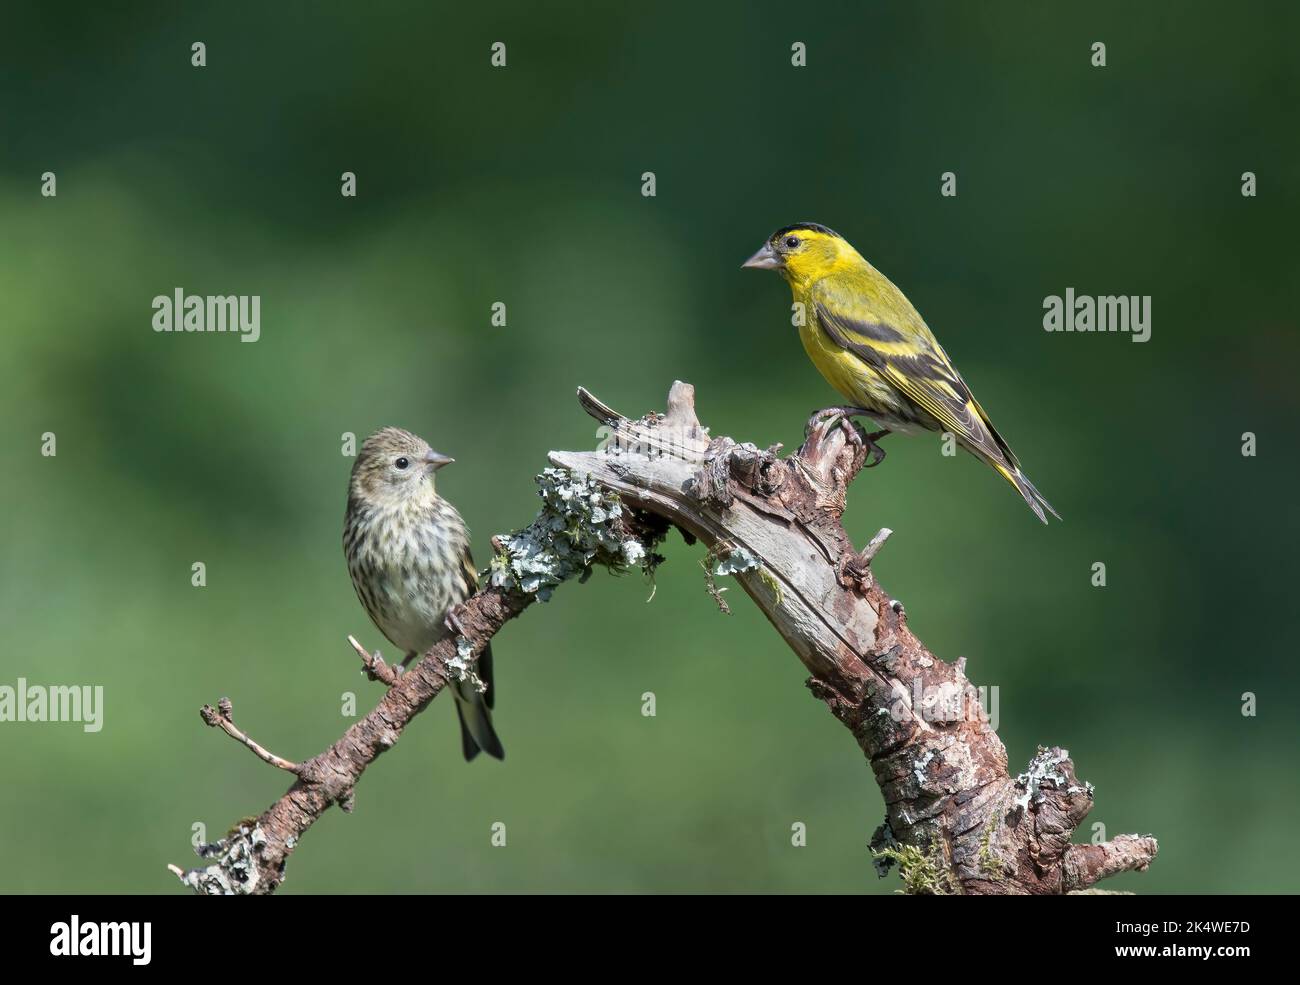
<point>853,378</point>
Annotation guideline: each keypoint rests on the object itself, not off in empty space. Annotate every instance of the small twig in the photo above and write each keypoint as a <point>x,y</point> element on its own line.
<point>220,717</point>
<point>710,564</point>
<point>598,409</point>
<point>374,666</point>
<point>868,553</point>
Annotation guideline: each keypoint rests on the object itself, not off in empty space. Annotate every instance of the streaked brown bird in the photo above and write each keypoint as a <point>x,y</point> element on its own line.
<point>409,558</point>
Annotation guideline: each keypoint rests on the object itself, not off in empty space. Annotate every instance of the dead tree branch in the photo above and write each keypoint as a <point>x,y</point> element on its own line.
<point>956,820</point>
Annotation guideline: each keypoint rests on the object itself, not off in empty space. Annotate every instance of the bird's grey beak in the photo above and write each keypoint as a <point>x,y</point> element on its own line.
<point>764,259</point>
<point>437,460</point>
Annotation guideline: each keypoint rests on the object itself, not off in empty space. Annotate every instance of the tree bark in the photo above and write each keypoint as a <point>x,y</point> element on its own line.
<point>956,821</point>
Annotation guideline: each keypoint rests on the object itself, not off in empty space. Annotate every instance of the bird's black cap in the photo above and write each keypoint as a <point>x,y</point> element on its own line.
<point>816,227</point>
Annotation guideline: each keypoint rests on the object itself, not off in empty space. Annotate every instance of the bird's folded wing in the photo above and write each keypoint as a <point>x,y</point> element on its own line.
<point>468,574</point>
<point>910,360</point>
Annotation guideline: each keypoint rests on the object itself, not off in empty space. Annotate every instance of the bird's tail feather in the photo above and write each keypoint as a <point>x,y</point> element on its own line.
<point>467,744</point>
<point>476,731</point>
<point>1026,489</point>
<point>473,708</point>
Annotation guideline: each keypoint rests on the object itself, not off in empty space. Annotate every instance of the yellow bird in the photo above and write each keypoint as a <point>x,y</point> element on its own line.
<point>875,349</point>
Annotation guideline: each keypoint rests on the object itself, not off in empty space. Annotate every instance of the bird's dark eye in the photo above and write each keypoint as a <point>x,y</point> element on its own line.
<point>402,463</point>
<point>792,241</point>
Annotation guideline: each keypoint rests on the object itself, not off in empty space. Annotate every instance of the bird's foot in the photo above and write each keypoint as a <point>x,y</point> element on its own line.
<point>377,670</point>
<point>452,621</point>
<point>830,416</point>
<point>874,450</point>
<point>823,422</point>
<point>372,664</point>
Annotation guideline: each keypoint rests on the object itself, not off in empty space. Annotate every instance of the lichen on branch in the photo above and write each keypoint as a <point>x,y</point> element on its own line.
<point>580,525</point>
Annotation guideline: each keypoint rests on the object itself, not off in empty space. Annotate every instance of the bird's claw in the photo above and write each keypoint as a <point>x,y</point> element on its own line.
<point>374,667</point>
<point>829,417</point>
<point>874,450</point>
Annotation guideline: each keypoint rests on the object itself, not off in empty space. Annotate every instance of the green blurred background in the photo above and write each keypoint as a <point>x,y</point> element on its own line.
<point>523,185</point>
